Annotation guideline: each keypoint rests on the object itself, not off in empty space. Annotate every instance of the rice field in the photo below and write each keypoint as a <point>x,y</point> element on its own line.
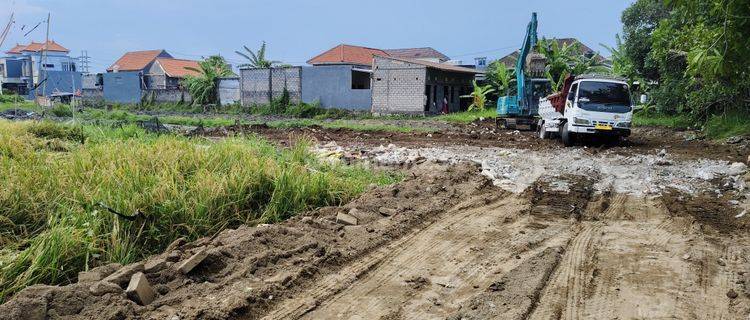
<point>74,197</point>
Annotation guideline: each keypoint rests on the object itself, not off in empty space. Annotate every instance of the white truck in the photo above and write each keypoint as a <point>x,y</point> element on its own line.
<point>589,105</point>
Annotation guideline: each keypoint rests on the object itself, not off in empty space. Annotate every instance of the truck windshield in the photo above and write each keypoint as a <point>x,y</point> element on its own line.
<point>604,97</point>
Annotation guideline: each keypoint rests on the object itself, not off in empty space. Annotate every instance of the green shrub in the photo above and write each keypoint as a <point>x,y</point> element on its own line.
<point>10,98</point>
<point>53,130</point>
<point>62,111</point>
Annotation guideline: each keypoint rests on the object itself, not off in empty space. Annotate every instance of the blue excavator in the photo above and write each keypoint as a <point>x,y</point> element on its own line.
<point>520,111</point>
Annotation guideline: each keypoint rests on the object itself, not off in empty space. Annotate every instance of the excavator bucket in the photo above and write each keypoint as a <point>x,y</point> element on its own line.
<point>536,64</point>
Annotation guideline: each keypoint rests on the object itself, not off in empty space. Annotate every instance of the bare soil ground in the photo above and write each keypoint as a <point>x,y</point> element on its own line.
<point>487,225</point>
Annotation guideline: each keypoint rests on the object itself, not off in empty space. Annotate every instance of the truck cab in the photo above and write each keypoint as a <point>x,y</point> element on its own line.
<point>597,106</point>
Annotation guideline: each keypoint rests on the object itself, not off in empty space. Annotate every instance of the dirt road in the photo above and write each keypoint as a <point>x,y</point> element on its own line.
<point>474,232</point>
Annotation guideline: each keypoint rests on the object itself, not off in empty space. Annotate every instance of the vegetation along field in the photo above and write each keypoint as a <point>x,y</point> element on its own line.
<point>74,197</point>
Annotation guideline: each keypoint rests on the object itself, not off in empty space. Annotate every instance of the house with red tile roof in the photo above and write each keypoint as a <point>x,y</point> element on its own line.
<point>147,72</point>
<point>44,68</point>
<point>340,77</point>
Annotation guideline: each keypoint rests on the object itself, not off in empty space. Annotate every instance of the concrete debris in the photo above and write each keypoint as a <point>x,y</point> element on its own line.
<point>17,114</point>
<point>741,214</point>
<point>139,290</point>
<point>122,276</point>
<point>103,287</point>
<point>734,139</point>
<point>516,169</point>
<point>346,219</point>
<point>98,273</point>
<point>737,168</point>
<point>190,263</point>
<point>155,265</point>
<point>387,211</point>
<point>731,294</point>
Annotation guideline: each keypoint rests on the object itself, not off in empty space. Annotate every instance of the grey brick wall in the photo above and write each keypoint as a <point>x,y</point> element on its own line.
<point>398,87</point>
<point>256,84</point>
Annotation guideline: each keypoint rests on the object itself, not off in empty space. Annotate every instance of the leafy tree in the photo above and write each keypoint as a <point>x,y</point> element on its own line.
<point>203,87</point>
<point>479,96</point>
<point>257,59</point>
<point>639,22</point>
<point>565,60</point>
<point>695,53</point>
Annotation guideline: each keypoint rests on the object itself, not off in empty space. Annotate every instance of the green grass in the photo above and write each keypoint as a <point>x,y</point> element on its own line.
<point>51,223</point>
<point>731,124</point>
<point>468,116</point>
<point>645,119</point>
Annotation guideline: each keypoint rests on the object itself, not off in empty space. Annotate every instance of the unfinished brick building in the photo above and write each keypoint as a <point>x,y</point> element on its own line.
<point>417,87</point>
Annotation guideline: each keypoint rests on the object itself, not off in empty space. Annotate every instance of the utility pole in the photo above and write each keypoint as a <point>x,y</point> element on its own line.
<point>43,61</point>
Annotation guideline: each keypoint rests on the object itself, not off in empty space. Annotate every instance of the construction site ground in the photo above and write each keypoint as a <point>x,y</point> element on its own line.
<point>487,224</point>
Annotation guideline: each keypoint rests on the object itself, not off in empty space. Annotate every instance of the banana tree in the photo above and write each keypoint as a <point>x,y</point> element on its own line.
<point>479,96</point>
<point>256,59</point>
<point>202,87</point>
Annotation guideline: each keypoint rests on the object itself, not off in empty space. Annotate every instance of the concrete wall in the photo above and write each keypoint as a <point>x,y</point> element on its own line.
<point>228,90</point>
<point>122,87</point>
<point>259,86</point>
<point>398,87</point>
<point>167,96</point>
<point>58,81</point>
<point>92,96</point>
<point>332,87</point>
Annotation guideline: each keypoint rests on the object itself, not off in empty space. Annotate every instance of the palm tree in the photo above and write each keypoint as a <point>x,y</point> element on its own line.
<point>203,86</point>
<point>256,59</point>
<point>480,96</point>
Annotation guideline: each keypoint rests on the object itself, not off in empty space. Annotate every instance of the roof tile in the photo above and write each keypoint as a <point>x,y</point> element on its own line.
<point>347,54</point>
<point>137,60</point>
<point>178,68</point>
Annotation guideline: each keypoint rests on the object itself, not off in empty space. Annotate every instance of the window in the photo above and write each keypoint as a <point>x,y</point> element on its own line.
<point>360,80</point>
<point>49,65</point>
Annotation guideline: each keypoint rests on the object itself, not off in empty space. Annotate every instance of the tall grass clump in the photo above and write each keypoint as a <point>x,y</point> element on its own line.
<point>56,207</point>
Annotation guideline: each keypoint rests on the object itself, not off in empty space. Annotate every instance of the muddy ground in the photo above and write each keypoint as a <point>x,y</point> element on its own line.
<point>487,225</point>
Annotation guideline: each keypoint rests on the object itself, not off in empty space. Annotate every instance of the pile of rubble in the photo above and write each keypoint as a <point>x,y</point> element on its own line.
<point>18,114</point>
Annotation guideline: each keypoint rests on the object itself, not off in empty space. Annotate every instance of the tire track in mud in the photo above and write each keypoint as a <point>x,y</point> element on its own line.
<point>355,272</point>
<point>567,283</point>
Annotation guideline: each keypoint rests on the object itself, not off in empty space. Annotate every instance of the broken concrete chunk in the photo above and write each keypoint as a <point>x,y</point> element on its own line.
<point>98,273</point>
<point>139,290</point>
<point>103,287</point>
<point>190,263</point>
<point>346,219</point>
<point>155,265</point>
<point>122,276</point>
<point>89,276</point>
<point>387,211</point>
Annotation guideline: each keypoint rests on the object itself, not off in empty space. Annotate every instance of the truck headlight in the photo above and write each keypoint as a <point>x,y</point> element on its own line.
<point>580,121</point>
<point>623,124</point>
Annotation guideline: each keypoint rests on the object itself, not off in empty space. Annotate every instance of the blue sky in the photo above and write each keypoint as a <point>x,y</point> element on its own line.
<point>297,30</point>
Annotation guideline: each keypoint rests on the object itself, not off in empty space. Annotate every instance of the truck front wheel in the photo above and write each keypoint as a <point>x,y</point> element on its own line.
<point>542,130</point>
<point>568,138</point>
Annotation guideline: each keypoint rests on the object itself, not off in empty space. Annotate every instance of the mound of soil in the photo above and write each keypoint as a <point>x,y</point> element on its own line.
<point>247,270</point>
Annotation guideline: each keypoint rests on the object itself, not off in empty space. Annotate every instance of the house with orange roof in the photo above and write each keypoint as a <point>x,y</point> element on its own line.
<point>39,68</point>
<point>340,77</point>
<point>147,73</point>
